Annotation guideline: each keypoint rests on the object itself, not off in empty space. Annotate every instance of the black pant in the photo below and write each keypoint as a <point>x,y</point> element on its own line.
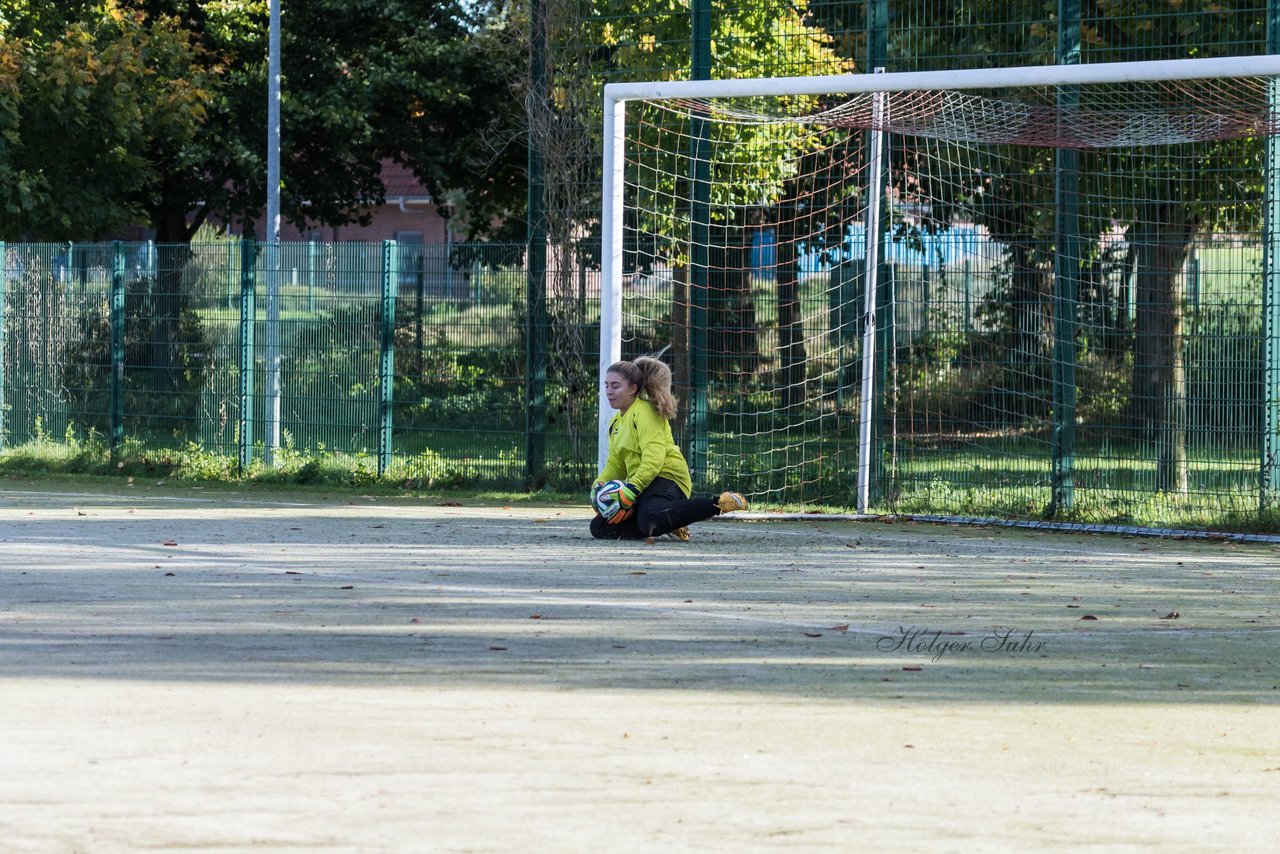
<point>660,509</point>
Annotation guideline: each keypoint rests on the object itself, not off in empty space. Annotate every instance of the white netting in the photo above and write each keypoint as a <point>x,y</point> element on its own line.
<point>1098,116</point>
<point>1068,298</point>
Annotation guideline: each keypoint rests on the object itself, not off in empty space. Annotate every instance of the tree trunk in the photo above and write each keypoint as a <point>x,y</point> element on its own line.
<point>1033,331</point>
<point>791,350</point>
<point>1032,336</point>
<point>732,342</point>
<point>1159,404</point>
<point>173,255</point>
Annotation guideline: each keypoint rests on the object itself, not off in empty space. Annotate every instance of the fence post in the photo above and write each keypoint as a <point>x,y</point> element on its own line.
<point>1269,464</point>
<point>1066,280</point>
<point>313,265</point>
<point>387,354</point>
<point>117,347</point>
<point>968,291</point>
<point>420,282</point>
<point>699,177</point>
<point>1193,278</point>
<point>68,273</point>
<point>4,270</point>
<point>232,275</point>
<point>535,356</point>
<point>926,285</point>
<point>82,276</point>
<point>247,319</point>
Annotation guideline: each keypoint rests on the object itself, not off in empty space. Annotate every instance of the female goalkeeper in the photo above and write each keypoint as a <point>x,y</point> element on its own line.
<point>655,498</point>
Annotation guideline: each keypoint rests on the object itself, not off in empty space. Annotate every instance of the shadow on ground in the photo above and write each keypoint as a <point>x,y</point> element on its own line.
<point>356,591</point>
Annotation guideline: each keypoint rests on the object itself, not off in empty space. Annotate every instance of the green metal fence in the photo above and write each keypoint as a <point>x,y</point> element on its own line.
<point>402,361</point>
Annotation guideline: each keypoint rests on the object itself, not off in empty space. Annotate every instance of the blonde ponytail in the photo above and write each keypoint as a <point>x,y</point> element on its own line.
<point>657,385</point>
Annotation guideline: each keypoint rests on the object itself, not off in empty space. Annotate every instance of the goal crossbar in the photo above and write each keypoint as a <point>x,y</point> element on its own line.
<point>970,78</point>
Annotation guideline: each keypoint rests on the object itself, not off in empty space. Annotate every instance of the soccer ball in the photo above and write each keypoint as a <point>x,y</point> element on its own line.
<point>614,500</point>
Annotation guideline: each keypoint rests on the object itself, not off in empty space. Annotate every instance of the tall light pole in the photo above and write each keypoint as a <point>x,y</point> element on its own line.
<point>271,411</point>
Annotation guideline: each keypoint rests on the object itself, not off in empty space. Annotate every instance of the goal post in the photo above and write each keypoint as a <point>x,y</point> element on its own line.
<point>797,164</point>
<point>866,401</point>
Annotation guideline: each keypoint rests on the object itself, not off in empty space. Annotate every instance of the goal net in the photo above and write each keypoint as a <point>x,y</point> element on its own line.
<point>1027,293</point>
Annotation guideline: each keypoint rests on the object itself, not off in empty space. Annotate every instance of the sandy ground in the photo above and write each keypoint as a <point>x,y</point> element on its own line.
<point>187,670</point>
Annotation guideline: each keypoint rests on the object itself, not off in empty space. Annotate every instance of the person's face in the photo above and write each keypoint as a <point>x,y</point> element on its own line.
<point>620,393</point>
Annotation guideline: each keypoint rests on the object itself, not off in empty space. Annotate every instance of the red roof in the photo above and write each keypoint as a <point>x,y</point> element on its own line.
<point>399,181</point>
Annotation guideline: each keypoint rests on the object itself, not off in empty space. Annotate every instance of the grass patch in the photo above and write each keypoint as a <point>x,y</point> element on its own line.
<point>425,475</point>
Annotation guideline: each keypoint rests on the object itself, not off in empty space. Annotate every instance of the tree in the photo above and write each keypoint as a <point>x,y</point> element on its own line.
<point>176,91</point>
<point>108,89</point>
<point>19,190</point>
<point>364,81</point>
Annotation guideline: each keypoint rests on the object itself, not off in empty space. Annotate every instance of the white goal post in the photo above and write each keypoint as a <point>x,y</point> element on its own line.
<point>618,95</point>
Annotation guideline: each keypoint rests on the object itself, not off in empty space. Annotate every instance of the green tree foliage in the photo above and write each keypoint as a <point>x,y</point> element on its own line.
<point>754,161</point>
<point>163,106</point>
<point>93,99</point>
<point>753,175</point>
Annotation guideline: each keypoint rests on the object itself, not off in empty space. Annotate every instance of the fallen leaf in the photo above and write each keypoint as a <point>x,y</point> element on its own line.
<point>638,572</point>
<point>1088,617</point>
<point>813,634</point>
<point>913,669</point>
<point>347,587</point>
<point>292,572</point>
<point>535,616</point>
<point>168,543</point>
<point>498,649</point>
<point>1172,615</point>
<point>168,573</point>
<point>415,620</point>
<point>843,627</point>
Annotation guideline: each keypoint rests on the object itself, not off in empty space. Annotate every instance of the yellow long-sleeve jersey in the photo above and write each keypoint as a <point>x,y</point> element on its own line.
<point>641,448</point>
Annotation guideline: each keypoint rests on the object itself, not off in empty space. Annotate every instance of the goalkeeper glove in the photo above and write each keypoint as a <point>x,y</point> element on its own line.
<point>626,504</point>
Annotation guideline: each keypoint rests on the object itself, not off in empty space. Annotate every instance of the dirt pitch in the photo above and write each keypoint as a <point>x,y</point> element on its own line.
<point>185,670</point>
